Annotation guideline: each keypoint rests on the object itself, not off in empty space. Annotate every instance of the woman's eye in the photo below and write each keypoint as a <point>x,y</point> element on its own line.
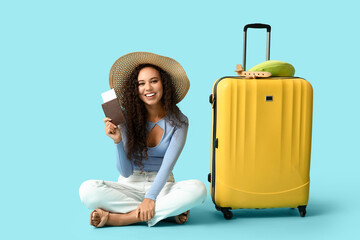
<point>140,84</point>
<point>155,81</point>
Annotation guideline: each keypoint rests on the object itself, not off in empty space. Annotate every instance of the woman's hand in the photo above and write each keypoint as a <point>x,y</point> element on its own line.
<point>146,210</point>
<point>112,130</point>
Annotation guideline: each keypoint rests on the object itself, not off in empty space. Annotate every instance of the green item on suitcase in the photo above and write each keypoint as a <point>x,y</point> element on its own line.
<point>275,67</point>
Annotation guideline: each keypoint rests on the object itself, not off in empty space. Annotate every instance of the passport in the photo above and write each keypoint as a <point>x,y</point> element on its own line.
<point>112,108</point>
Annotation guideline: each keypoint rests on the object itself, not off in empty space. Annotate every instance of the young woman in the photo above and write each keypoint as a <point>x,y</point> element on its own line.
<point>148,144</point>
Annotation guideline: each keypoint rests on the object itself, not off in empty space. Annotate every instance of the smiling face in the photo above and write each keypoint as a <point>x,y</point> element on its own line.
<point>150,86</point>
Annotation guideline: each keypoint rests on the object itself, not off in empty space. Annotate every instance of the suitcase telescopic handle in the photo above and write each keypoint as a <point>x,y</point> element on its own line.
<point>257,25</point>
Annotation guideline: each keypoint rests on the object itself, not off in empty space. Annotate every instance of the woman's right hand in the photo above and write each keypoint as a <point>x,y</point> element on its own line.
<point>112,130</point>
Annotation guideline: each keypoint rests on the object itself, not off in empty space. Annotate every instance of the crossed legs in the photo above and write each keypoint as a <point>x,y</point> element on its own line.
<point>121,199</point>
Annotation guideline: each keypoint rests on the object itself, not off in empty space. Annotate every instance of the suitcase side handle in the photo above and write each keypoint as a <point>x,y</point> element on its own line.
<point>257,25</point>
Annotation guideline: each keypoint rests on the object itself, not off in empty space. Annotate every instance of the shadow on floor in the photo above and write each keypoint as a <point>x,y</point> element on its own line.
<point>207,214</point>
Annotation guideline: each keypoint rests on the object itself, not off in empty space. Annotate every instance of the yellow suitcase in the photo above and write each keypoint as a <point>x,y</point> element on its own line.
<point>261,142</point>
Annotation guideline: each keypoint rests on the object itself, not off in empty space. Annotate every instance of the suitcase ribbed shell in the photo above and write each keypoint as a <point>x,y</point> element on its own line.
<point>263,131</point>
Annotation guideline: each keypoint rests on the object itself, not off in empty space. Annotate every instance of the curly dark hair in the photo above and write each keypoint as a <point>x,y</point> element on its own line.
<point>137,115</point>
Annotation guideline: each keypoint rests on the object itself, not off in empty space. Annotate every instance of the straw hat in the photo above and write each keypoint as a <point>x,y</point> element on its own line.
<point>125,65</point>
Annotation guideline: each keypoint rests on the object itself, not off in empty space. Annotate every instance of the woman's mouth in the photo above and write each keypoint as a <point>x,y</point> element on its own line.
<point>150,95</point>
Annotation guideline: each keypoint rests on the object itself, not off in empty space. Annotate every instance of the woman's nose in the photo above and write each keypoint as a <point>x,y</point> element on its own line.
<point>148,86</point>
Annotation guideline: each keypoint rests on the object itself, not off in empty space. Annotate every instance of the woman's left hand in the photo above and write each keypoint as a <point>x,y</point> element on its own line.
<point>146,210</point>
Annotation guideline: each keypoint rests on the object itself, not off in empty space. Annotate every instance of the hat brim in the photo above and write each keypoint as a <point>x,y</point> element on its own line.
<point>125,65</point>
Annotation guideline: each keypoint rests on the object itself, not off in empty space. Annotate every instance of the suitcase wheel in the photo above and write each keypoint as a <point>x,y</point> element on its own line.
<point>302,210</point>
<point>227,213</point>
<point>209,177</point>
<point>211,98</point>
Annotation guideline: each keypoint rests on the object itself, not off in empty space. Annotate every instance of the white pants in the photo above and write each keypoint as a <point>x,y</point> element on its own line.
<point>125,195</point>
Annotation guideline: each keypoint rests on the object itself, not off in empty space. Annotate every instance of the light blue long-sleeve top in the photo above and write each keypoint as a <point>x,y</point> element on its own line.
<point>161,158</point>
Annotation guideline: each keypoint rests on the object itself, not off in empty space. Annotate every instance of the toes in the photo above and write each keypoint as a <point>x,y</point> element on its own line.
<point>95,219</point>
<point>95,216</point>
<point>182,219</point>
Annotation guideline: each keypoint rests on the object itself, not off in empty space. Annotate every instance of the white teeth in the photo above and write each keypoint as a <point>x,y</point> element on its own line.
<point>150,95</point>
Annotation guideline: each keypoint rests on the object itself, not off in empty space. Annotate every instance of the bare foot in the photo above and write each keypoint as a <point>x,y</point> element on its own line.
<point>122,219</point>
<point>95,219</point>
<point>182,218</point>
<point>100,218</point>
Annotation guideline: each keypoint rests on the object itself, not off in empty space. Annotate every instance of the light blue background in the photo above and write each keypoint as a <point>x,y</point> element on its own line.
<point>55,60</point>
